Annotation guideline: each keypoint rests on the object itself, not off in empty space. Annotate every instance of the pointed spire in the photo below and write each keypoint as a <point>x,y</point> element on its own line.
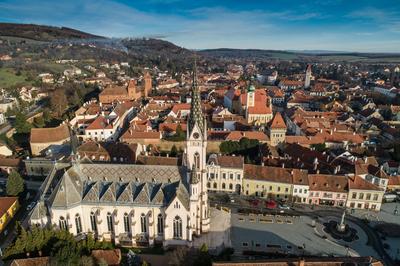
<point>196,114</point>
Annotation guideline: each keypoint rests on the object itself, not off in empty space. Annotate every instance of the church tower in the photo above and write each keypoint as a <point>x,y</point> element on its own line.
<point>308,77</point>
<point>196,146</point>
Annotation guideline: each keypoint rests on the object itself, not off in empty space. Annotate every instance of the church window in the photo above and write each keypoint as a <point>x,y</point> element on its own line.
<point>78,224</point>
<point>63,223</point>
<point>197,160</point>
<point>143,223</point>
<point>93,222</point>
<point>110,224</point>
<point>177,227</point>
<point>160,224</point>
<point>127,224</point>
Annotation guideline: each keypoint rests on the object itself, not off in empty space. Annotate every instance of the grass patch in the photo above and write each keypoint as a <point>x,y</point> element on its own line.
<point>8,78</point>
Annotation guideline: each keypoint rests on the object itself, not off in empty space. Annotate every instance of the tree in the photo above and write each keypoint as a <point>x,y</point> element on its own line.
<point>21,124</point>
<point>174,151</point>
<point>15,184</point>
<point>58,102</point>
<point>39,121</point>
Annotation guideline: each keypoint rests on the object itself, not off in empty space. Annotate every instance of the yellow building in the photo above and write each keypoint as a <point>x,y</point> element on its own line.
<point>267,182</point>
<point>8,208</point>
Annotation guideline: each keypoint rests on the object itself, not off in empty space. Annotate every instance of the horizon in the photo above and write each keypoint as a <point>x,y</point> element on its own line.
<point>334,26</point>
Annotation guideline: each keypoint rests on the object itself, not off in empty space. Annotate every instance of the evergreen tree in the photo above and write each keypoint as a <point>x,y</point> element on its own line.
<point>15,184</point>
<point>21,125</point>
<point>174,151</point>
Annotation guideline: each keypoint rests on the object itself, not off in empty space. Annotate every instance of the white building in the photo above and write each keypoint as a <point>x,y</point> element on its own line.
<point>225,173</point>
<point>132,204</point>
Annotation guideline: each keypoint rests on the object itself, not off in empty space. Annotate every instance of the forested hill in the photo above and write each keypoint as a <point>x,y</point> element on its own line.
<point>43,33</point>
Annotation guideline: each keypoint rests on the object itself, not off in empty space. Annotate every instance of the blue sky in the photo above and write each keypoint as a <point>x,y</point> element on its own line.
<point>345,25</point>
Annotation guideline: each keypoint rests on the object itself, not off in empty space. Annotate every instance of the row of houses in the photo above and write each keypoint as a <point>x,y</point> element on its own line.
<point>362,190</point>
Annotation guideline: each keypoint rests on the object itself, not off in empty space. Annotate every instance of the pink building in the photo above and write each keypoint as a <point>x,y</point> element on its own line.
<point>327,190</point>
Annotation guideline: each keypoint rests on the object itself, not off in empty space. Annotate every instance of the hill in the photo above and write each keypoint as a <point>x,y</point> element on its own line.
<point>43,33</point>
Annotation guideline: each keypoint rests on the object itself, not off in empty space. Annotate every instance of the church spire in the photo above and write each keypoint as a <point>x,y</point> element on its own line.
<point>196,114</point>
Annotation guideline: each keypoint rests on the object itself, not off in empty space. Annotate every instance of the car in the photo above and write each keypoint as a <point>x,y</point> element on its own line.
<point>284,207</point>
<point>30,206</point>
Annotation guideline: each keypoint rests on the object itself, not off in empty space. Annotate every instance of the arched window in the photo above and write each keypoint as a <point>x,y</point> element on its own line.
<point>215,185</point>
<point>110,223</point>
<point>63,223</point>
<point>127,224</point>
<point>197,160</point>
<point>143,223</point>
<point>78,224</point>
<point>230,186</point>
<point>177,227</point>
<point>208,185</point>
<point>93,222</point>
<point>160,224</point>
<point>223,186</point>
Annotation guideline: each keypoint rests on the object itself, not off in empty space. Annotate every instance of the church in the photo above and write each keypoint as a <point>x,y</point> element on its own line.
<point>132,204</point>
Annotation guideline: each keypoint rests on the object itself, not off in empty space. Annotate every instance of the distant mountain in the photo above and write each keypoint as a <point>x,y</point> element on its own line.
<point>43,33</point>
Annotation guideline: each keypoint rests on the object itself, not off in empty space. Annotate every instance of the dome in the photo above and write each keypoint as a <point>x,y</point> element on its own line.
<point>251,88</point>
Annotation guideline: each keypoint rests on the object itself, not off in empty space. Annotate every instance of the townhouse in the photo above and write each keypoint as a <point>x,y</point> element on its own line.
<point>225,173</point>
<point>364,195</point>
<point>328,190</point>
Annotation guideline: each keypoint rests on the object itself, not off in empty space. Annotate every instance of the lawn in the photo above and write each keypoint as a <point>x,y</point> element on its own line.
<point>9,78</point>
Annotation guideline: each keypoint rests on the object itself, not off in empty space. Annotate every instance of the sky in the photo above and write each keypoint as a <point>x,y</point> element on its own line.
<point>341,25</point>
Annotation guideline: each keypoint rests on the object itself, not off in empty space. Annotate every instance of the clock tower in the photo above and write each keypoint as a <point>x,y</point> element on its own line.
<point>196,146</point>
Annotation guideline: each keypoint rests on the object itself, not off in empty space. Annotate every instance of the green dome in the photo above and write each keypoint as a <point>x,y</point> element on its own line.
<point>251,88</point>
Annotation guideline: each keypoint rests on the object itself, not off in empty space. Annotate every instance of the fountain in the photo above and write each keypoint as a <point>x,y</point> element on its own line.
<point>340,231</point>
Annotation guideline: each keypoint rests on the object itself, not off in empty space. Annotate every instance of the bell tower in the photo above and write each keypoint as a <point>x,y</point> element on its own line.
<point>196,148</point>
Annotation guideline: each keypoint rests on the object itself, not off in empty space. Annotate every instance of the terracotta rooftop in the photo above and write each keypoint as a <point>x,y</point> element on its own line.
<point>226,161</point>
<point>157,160</point>
<point>267,173</point>
<point>358,182</point>
<point>39,261</point>
<point>112,257</point>
<point>5,204</point>
<point>278,122</point>
<point>48,135</point>
<point>333,183</point>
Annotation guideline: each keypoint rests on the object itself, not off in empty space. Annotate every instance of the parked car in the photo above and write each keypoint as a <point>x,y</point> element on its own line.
<point>284,207</point>
<point>30,206</point>
<point>389,197</point>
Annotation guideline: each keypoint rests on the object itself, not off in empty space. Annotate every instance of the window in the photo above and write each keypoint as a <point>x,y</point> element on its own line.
<point>63,223</point>
<point>78,224</point>
<point>270,187</point>
<point>177,227</point>
<point>160,224</point>
<point>215,185</point>
<point>93,222</point>
<point>354,195</point>
<point>286,189</point>
<point>223,185</point>
<point>197,160</point>
<point>143,223</point>
<point>127,224</point>
<point>231,176</point>
<point>230,186</point>
<point>375,197</point>
<point>208,185</point>
<point>279,188</point>
<point>368,196</point>
<point>361,196</point>
<point>212,175</point>
<point>295,190</point>
<point>110,224</point>
<point>238,176</point>
<point>224,175</point>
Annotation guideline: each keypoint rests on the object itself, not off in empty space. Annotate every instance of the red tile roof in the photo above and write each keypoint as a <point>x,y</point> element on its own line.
<point>278,122</point>
<point>6,203</point>
<point>358,182</point>
<point>48,135</point>
<point>333,183</point>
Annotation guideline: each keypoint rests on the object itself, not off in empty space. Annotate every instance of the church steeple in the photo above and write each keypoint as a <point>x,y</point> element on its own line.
<point>196,114</point>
